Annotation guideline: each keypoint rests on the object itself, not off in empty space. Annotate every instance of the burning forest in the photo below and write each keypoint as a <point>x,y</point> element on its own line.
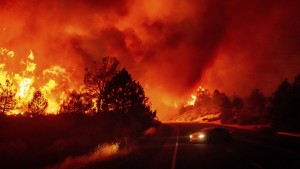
<point>109,108</point>
<point>20,77</point>
<point>119,67</point>
<point>170,47</point>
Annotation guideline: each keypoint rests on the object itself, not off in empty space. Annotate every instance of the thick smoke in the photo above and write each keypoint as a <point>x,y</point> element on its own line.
<point>260,49</point>
<point>170,46</point>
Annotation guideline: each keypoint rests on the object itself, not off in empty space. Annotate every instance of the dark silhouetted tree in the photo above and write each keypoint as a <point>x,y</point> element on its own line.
<point>38,105</point>
<point>255,109</point>
<point>216,97</point>
<point>285,106</point>
<point>237,103</point>
<point>237,108</point>
<point>98,75</point>
<point>77,102</point>
<point>127,99</point>
<point>226,115</point>
<point>256,102</point>
<point>7,97</point>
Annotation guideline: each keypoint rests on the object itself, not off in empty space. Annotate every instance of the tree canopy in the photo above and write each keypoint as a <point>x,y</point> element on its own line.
<point>98,75</point>
<point>7,97</point>
<point>285,109</point>
<point>38,105</point>
<point>126,97</point>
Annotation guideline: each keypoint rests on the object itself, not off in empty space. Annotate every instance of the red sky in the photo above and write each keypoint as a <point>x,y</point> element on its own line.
<point>170,46</point>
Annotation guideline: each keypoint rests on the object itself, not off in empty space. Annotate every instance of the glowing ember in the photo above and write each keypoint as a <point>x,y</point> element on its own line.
<point>9,53</point>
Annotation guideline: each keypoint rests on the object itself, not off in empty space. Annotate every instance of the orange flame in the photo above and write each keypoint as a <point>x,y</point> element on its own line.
<point>192,101</point>
<point>193,98</point>
<point>53,82</point>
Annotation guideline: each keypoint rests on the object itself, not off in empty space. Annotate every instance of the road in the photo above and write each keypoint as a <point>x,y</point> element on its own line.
<point>170,149</point>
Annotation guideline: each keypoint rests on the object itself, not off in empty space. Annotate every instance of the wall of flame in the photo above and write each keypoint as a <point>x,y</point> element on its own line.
<point>53,82</point>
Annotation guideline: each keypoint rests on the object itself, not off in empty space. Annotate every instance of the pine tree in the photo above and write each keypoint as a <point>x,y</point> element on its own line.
<point>7,97</point>
<point>126,97</point>
<point>285,109</point>
<point>38,105</point>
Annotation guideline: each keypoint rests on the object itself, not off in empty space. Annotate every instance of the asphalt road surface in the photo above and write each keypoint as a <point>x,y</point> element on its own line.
<point>170,149</point>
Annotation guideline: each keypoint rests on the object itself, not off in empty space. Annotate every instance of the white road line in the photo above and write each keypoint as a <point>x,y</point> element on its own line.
<point>175,151</point>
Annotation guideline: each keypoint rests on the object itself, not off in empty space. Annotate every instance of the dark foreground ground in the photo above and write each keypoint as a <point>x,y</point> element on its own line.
<point>247,150</point>
<point>168,148</point>
<point>43,141</point>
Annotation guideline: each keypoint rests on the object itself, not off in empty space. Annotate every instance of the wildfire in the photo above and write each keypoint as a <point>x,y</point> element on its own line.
<point>24,87</point>
<point>53,82</point>
<point>193,98</point>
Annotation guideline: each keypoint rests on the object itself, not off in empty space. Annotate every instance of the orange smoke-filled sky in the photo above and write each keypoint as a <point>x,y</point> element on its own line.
<point>170,46</point>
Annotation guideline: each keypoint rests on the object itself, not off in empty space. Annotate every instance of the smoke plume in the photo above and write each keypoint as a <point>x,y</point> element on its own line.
<point>170,46</point>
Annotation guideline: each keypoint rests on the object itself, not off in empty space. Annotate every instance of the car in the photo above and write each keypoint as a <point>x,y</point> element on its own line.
<point>211,135</point>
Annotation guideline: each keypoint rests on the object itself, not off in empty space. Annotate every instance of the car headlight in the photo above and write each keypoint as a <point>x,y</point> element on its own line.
<point>201,136</point>
<point>191,136</point>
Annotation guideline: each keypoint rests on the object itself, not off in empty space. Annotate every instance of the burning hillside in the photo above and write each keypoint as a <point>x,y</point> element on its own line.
<point>201,107</point>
